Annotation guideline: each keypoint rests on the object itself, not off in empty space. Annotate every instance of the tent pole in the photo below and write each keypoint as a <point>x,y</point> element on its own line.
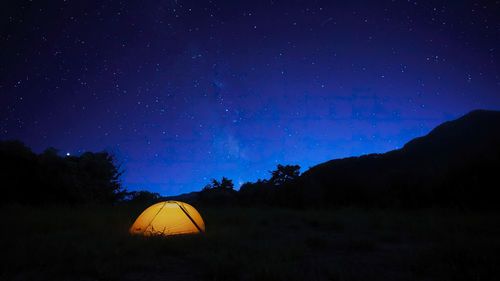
<point>185,212</point>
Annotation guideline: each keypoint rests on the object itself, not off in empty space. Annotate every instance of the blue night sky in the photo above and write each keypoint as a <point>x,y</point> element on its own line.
<point>185,91</point>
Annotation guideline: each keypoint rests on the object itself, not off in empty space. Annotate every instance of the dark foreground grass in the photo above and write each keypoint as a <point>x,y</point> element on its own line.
<point>251,244</point>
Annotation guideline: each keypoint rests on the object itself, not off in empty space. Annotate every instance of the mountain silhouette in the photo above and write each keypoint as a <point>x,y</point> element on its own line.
<point>465,136</point>
<point>456,164</point>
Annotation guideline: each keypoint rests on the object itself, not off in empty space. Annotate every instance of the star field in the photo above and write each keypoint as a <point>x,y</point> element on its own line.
<point>186,91</point>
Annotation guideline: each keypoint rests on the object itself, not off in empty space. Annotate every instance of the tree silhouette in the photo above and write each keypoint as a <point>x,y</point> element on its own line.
<point>143,196</point>
<point>284,174</point>
<point>225,183</point>
<point>218,193</point>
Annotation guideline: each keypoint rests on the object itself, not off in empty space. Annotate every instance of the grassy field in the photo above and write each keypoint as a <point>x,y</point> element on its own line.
<point>252,244</point>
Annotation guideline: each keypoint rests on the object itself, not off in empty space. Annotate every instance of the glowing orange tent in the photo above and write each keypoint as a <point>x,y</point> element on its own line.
<point>168,218</point>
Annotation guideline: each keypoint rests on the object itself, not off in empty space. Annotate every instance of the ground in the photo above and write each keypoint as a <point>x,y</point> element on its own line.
<point>92,243</point>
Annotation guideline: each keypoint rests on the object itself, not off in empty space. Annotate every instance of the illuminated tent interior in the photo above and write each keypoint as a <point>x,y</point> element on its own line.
<point>168,218</point>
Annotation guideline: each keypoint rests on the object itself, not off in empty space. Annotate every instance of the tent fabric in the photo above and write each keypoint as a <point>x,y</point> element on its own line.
<point>168,218</point>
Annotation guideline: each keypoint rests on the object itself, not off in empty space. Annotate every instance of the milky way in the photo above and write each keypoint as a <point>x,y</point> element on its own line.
<point>186,91</point>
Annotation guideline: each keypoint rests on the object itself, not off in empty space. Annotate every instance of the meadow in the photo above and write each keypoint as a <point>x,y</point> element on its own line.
<point>93,243</point>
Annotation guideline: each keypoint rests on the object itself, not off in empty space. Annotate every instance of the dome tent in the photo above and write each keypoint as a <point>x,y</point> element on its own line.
<point>168,218</point>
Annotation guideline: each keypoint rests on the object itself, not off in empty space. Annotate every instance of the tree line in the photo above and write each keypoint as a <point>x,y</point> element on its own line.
<point>377,180</point>
<point>262,192</point>
<point>48,178</point>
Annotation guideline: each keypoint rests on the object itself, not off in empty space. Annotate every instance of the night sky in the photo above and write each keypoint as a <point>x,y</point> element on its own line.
<point>185,91</point>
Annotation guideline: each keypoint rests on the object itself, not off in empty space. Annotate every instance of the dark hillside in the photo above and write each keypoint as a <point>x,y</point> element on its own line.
<point>467,136</point>
<point>455,165</point>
